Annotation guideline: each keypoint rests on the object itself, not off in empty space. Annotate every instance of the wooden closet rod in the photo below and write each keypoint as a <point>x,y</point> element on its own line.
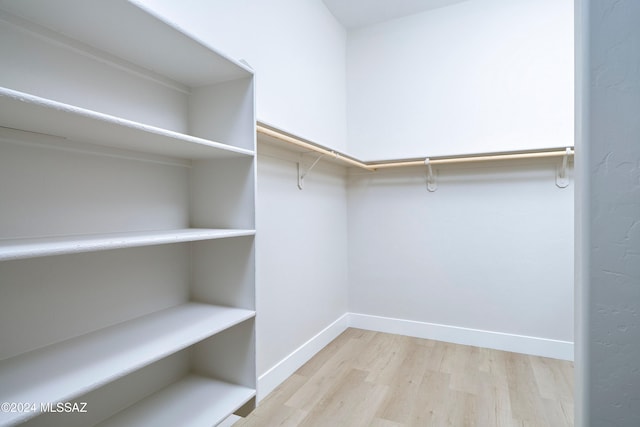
<point>507,155</point>
<point>313,147</point>
<point>439,160</point>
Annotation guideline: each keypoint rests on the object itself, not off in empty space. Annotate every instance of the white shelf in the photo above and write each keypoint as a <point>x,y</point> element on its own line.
<point>192,402</point>
<point>68,369</point>
<point>35,114</point>
<point>12,249</point>
<point>131,31</point>
<point>102,86</point>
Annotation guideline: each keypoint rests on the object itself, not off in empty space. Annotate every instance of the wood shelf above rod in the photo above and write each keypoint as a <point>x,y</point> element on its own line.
<point>413,162</point>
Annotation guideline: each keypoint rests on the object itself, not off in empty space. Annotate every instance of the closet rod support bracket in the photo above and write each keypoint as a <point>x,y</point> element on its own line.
<point>432,185</point>
<point>562,177</point>
<point>301,174</point>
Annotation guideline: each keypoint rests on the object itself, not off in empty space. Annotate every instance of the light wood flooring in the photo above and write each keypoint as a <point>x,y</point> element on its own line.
<point>366,378</point>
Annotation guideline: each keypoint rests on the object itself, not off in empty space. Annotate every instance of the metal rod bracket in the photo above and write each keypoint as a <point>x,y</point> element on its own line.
<point>432,185</point>
<point>562,177</point>
<point>301,174</point>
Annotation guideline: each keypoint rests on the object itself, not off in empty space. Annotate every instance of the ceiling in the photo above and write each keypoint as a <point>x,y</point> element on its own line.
<point>358,13</point>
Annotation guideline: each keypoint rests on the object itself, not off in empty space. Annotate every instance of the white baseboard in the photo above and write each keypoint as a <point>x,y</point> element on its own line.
<point>287,366</point>
<point>475,337</point>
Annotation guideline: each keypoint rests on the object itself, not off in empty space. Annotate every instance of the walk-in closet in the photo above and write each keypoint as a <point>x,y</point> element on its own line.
<point>376,213</point>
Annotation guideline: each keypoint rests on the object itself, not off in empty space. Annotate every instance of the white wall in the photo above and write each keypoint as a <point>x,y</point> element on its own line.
<point>608,213</point>
<point>491,250</point>
<point>481,75</point>
<point>301,254</point>
<point>297,49</point>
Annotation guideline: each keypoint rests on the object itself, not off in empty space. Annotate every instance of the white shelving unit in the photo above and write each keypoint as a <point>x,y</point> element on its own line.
<point>57,118</point>
<point>127,175</point>
<point>62,371</point>
<point>11,249</point>
<point>199,401</point>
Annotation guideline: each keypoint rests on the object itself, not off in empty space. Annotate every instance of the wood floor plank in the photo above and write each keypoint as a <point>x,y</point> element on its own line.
<point>526,404</point>
<point>466,375</point>
<point>453,356</point>
<point>273,411</point>
<point>551,378</point>
<point>379,422</point>
<point>400,404</point>
<point>493,362</point>
<point>336,366</point>
<point>559,412</point>
<point>385,368</point>
<point>281,394</point>
<point>284,416</point>
<point>494,406</point>
<point>373,379</point>
<point>348,402</point>
<point>327,352</point>
<point>431,400</point>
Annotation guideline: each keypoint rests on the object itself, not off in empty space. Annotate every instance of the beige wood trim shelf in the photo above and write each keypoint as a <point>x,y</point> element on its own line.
<point>413,162</point>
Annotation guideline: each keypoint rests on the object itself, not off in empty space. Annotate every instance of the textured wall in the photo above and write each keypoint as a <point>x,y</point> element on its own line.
<point>608,203</point>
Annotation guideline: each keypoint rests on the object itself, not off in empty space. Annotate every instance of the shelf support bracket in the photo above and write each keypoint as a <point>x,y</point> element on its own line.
<point>301,174</point>
<point>432,185</point>
<point>562,178</point>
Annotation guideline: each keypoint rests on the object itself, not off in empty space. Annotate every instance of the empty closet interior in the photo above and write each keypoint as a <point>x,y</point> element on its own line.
<point>170,169</point>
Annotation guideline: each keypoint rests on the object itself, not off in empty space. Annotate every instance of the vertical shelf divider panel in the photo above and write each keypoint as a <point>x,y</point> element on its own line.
<point>126,146</point>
